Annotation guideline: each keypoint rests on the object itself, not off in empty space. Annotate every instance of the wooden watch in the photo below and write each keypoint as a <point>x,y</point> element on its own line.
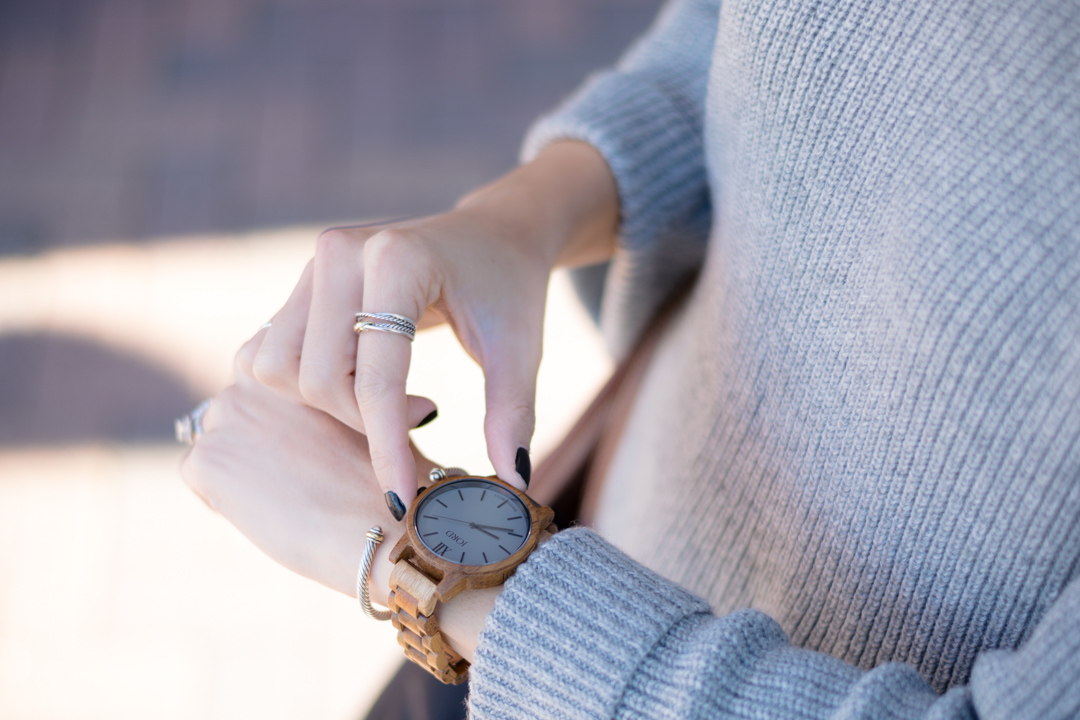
<point>463,532</point>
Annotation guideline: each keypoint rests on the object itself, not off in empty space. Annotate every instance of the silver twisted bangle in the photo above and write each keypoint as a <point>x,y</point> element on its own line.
<point>374,538</point>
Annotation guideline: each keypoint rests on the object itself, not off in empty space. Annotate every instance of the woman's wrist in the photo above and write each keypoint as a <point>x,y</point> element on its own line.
<point>564,204</point>
<point>461,619</point>
<point>379,580</point>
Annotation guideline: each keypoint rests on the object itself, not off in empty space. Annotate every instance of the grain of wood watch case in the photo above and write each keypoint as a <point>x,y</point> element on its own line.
<point>462,532</point>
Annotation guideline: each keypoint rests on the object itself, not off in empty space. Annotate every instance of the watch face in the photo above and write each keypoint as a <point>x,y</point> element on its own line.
<point>472,522</point>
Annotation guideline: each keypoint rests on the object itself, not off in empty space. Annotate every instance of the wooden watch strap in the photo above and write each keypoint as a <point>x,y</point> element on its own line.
<point>412,603</point>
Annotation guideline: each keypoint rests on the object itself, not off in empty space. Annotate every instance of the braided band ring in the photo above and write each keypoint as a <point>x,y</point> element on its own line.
<point>384,322</point>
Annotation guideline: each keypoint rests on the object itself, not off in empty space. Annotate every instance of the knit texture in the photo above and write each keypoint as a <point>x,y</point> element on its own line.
<point>646,118</point>
<point>859,441</point>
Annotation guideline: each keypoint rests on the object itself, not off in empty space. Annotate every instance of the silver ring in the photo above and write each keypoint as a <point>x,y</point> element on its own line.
<point>387,317</point>
<point>374,538</point>
<point>385,322</point>
<point>189,428</point>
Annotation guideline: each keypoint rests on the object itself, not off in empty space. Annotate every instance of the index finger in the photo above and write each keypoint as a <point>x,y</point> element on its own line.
<point>395,282</point>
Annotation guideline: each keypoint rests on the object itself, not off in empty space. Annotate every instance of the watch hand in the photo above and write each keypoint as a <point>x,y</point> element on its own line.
<point>471,524</point>
<point>481,529</point>
<point>493,527</point>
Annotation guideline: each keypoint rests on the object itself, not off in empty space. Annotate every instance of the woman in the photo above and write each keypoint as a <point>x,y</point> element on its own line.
<point>854,461</point>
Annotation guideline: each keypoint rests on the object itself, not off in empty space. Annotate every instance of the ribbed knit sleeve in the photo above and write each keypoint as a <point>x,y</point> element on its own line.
<point>646,118</point>
<point>581,631</point>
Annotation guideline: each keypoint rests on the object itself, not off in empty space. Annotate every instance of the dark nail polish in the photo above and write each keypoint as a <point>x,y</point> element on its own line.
<point>420,490</point>
<point>430,416</point>
<point>523,465</point>
<point>397,508</point>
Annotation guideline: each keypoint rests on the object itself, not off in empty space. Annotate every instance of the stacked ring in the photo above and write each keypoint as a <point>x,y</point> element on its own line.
<point>189,428</point>
<point>385,322</point>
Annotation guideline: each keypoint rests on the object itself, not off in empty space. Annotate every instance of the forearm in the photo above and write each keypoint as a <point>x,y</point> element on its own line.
<point>563,203</point>
<point>582,631</point>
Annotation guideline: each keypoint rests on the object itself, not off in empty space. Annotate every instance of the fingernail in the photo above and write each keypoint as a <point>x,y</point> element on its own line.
<point>397,508</point>
<point>522,465</point>
<point>430,416</point>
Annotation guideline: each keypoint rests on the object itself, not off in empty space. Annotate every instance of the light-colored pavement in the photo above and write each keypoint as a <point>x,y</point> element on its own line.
<point>121,595</point>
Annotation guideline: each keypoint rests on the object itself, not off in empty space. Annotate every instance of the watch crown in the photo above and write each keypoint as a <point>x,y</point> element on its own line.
<point>438,474</point>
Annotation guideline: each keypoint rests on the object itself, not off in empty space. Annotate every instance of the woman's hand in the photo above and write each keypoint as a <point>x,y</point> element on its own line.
<point>482,267</point>
<point>292,479</point>
<point>299,485</point>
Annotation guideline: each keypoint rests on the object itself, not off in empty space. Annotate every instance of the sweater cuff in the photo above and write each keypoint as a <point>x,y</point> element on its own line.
<point>652,146</point>
<point>569,631</point>
<point>1033,681</point>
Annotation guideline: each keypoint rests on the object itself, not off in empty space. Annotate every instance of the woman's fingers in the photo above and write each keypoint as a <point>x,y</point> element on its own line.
<point>397,281</point>
<point>510,392</point>
<point>312,354</point>
<point>312,341</point>
<point>328,358</point>
<point>276,362</point>
<point>244,360</point>
<point>380,395</point>
<point>277,357</point>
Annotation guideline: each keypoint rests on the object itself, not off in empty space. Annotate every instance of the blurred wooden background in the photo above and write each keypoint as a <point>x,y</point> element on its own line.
<point>128,119</point>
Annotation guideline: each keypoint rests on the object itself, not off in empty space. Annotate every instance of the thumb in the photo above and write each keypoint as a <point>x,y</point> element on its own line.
<point>510,391</point>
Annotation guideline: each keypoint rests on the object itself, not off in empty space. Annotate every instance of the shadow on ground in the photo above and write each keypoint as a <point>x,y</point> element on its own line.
<point>60,389</point>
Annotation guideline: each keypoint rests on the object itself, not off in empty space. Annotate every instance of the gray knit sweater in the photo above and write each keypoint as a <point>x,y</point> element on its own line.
<point>850,486</point>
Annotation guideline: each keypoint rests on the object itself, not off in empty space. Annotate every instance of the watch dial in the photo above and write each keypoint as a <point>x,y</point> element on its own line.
<point>472,522</point>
